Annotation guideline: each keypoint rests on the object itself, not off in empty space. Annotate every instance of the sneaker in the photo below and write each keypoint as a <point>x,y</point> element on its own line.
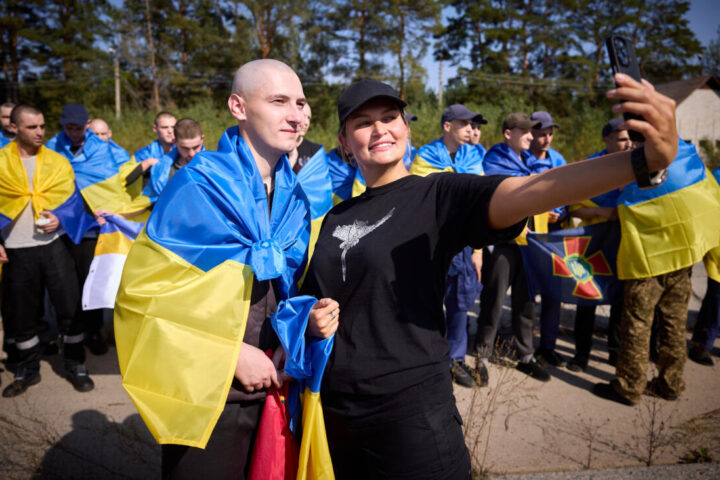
<point>577,364</point>
<point>654,389</point>
<point>549,358</point>
<point>96,343</point>
<point>533,369</point>
<point>462,375</point>
<point>78,376</point>
<point>606,391</point>
<point>701,356</point>
<point>481,371</point>
<point>24,378</point>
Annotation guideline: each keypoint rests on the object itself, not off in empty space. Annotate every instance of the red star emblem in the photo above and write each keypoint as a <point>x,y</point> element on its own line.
<point>582,269</point>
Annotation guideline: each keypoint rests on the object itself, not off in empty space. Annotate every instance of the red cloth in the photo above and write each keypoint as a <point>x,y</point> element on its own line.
<point>275,455</point>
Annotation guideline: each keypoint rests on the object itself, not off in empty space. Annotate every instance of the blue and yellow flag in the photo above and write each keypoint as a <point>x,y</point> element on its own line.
<point>671,226</point>
<point>712,258</point>
<point>97,175</point>
<point>574,266</point>
<point>184,297</point>
<point>53,189</point>
<point>306,360</point>
<point>159,175</point>
<point>434,157</point>
<point>4,140</point>
<point>113,245</point>
<point>409,157</point>
<point>501,160</point>
<point>347,180</point>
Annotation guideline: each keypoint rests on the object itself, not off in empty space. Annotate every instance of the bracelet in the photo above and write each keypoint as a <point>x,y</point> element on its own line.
<point>644,178</point>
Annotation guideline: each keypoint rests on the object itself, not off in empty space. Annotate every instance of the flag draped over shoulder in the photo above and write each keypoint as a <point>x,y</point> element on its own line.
<point>574,266</point>
<point>314,178</point>
<point>434,157</point>
<point>114,241</point>
<point>712,258</point>
<point>97,175</point>
<point>159,175</point>
<point>347,180</point>
<point>671,226</point>
<point>53,189</point>
<point>305,362</point>
<point>501,160</point>
<point>184,297</point>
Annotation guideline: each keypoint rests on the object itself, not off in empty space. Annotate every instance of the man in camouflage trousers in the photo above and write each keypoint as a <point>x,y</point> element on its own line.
<point>670,293</point>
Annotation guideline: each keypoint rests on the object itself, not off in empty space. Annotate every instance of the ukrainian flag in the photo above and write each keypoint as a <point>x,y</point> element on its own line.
<point>501,160</point>
<point>434,157</point>
<point>114,241</point>
<point>712,258</point>
<point>53,189</point>
<point>347,180</point>
<point>608,199</point>
<point>97,175</point>
<point>305,362</point>
<point>671,226</point>
<point>159,174</point>
<point>185,291</point>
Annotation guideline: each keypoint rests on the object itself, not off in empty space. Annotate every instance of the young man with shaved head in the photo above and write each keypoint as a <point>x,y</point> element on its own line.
<point>7,132</point>
<point>232,230</point>
<point>101,128</point>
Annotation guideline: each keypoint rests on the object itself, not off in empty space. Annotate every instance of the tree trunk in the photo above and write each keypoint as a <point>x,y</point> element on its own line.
<point>400,56</point>
<point>151,45</point>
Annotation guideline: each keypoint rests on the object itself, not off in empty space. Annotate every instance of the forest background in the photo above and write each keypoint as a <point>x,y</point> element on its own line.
<point>180,55</point>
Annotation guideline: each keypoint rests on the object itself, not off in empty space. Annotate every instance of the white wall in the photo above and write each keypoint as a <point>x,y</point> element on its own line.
<point>698,116</point>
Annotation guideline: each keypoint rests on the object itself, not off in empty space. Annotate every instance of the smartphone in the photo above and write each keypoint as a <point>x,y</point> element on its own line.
<point>622,60</point>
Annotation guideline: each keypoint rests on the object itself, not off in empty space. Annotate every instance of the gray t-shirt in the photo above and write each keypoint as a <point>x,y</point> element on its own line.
<point>22,232</point>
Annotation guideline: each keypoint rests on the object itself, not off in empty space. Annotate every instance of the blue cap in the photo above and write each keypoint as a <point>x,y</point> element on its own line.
<point>73,113</point>
<point>612,126</point>
<point>460,112</point>
<point>544,118</point>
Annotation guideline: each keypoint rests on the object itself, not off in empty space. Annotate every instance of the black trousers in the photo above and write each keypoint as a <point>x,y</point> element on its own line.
<point>427,445</point>
<point>585,327</point>
<point>501,269</point>
<point>228,452</point>
<point>26,276</point>
<point>82,255</point>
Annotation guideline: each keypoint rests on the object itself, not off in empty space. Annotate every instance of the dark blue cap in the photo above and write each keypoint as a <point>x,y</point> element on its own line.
<point>612,126</point>
<point>73,113</point>
<point>544,118</point>
<point>460,112</point>
<point>362,92</point>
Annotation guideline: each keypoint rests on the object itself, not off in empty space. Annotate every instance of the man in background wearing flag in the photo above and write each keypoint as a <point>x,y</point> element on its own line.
<point>6,133</point>
<point>665,230</point>
<point>37,193</point>
<point>453,152</point>
<point>224,244</point>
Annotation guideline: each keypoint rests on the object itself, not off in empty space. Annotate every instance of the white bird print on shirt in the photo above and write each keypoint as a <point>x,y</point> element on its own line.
<point>351,235</point>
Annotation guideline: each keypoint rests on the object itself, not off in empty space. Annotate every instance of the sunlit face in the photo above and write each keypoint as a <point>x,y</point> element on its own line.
<point>618,141</point>
<point>75,132</point>
<point>518,139</point>
<point>189,147</point>
<point>101,129</point>
<point>270,116</point>
<point>5,117</point>
<point>30,131</point>
<point>541,139</point>
<point>376,133</point>
<point>459,131</point>
<point>164,128</point>
<point>305,124</point>
<point>475,134</point>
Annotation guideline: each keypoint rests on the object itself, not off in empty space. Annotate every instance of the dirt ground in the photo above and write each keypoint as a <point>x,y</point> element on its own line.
<point>515,425</point>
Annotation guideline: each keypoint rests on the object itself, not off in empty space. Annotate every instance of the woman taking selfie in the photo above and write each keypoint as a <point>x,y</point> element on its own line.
<point>383,256</point>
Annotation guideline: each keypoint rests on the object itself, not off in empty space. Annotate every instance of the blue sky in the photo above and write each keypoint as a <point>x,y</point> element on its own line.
<point>704,17</point>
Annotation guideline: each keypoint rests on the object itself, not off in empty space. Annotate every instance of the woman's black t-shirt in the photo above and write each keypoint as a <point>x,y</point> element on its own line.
<point>384,256</point>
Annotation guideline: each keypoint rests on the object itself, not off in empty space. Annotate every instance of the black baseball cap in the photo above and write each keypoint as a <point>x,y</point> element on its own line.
<point>361,92</point>
<point>461,112</point>
<point>612,126</point>
<point>73,113</point>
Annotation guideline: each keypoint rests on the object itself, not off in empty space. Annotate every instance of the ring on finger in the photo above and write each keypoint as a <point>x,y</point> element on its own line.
<point>332,315</point>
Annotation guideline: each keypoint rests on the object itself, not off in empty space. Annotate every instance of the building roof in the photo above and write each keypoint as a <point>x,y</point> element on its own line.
<point>679,90</point>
